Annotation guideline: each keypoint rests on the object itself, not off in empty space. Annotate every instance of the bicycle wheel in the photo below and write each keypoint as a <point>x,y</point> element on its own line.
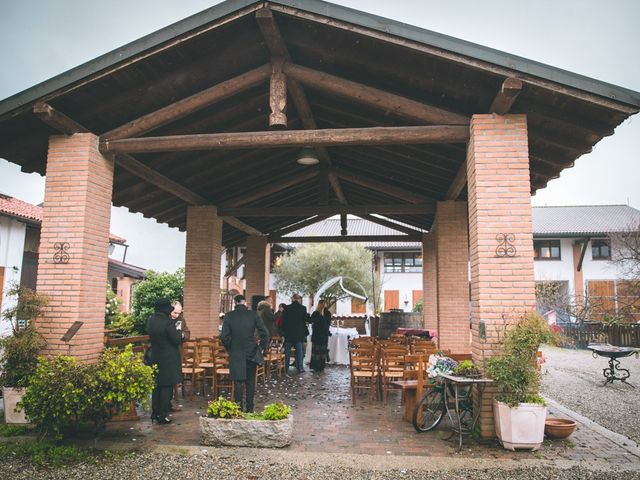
<point>429,411</point>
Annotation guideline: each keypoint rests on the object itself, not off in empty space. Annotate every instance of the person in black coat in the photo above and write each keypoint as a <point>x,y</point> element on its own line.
<point>294,329</point>
<point>321,321</point>
<point>165,354</point>
<point>239,338</point>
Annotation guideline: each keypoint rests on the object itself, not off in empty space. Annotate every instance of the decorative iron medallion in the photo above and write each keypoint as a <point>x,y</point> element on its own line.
<point>61,254</point>
<point>505,246</point>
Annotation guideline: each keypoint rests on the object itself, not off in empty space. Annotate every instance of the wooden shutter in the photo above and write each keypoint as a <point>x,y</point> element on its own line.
<point>272,295</point>
<point>601,297</point>
<point>416,296</point>
<point>357,306</point>
<point>391,299</point>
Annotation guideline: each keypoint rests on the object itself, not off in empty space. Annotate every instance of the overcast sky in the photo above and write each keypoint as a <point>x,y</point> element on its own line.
<point>42,38</point>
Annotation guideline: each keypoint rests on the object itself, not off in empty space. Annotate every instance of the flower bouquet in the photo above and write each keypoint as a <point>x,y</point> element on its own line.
<point>440,364</point>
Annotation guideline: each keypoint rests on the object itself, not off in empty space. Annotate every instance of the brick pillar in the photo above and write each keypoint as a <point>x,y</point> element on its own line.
<point>452,252</point>
<point>499,192</point>
<point>77,213</point>
<point>429,282</point>
<point>257,267</point>
<point>202,271</point>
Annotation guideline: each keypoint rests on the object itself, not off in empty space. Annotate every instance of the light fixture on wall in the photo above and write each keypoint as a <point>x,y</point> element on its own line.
<point>308,157</point>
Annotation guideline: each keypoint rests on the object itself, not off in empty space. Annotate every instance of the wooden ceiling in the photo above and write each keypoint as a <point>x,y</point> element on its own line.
<point>211,75</point>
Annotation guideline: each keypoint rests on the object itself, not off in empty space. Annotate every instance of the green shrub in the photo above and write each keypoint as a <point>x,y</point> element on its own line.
<point>111,307</point>
<point>20,350</point>
<point>124,325</point>
<point>514,371</point>
<point>466,368</point>
<point>223,408</point>
<point>64,392</point>
<point>276,411</point>
<point>7,430</point>
<point>156,286</point>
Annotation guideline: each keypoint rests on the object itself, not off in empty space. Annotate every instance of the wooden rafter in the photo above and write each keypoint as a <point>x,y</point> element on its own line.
<point>242,226</point>
<point>297,138</point>
<point>389,224</point>
<point>271,189</point>
<point>374,97</point>
<point>278,48</point>
<point>401,193</point>
<point>234,268</point>
<point>428,208</point>
<point>507,96</point>
<point>297,226</point>
<point>57,120</point>
<point>188,105</point>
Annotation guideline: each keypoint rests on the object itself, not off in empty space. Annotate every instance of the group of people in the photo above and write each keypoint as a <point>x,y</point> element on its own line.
<point>167,330</point>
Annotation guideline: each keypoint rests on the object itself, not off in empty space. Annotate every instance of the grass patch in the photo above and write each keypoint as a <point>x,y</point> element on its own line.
<point>44,453</point>
<point>7,430</point>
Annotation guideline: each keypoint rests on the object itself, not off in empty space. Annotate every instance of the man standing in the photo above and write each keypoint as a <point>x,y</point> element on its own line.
<point>238,337</point>
<point>294,329</point>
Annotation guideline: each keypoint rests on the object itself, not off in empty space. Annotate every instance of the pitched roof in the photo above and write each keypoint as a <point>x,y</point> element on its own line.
<point>22,210</point>
<point>584,220</point>
<point>355,226</point>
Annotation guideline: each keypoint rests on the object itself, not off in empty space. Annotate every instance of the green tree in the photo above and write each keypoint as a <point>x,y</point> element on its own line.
<point>157,285</point>
<point>306,268</point>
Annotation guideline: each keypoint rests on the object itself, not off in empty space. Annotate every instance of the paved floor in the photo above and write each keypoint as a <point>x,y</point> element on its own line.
<point>326,422</point>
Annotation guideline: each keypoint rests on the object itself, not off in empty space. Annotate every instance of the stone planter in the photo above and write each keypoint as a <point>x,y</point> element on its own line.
<point>11,396</point>
<point>246,433</point>
<point>520,427</point>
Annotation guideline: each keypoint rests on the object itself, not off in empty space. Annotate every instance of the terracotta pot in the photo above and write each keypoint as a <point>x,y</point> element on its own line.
<point>558,428</point>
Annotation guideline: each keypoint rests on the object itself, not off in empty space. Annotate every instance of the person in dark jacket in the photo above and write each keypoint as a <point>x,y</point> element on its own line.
<point>165,354</point>
<point>294,329</point>
<point>265,311</point>
<point>239,338</point>
<point>321,321</point>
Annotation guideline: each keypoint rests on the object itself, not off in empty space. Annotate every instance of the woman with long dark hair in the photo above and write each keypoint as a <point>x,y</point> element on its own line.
<point>321,321</point>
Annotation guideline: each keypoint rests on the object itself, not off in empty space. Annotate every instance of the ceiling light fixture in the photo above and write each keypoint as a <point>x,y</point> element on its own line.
<point>308,157</point>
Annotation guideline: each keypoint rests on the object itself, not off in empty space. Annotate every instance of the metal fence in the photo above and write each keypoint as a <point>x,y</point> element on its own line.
<point>621,335</point>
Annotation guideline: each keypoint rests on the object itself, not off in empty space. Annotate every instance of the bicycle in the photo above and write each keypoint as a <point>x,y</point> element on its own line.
<point>431,409</point>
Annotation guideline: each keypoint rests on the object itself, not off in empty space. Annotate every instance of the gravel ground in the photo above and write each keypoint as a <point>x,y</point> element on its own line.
<point>574,379</point>
<point>155,466</point>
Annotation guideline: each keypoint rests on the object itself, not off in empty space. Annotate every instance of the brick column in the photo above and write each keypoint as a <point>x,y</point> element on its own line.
<point>429,282</point>
<point>499,192</point>
<point>452,251</point>
<point>257,267</point>
<point>74,244</point>
<point>202,271</point>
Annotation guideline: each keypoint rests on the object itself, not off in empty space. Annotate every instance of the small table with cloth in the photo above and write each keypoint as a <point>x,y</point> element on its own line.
<point>338,345</point>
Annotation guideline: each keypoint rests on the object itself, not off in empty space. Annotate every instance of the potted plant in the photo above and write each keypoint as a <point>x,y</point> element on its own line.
<point>226,425</point>
<point>20,349</point>
<point>519,410</point>
<point>467,369</point>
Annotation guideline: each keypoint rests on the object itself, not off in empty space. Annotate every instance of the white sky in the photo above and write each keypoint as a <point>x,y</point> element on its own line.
<point>42,38</point>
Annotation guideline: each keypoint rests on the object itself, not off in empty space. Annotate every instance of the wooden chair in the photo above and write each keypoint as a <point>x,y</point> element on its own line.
<point>191,369</point>
<point>221,373</point>
<point>206,353</point>
<point>274,357</point>
<point>391,369</point>
<point>363,368</point>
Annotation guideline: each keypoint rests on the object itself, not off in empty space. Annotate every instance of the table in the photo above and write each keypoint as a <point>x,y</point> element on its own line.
<point>613,353</point>
<point>418,332</point>
<point>463,403</point>
<point>338,344</point>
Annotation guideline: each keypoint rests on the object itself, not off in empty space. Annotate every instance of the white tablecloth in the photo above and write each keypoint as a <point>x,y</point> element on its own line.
<point>338,345</point>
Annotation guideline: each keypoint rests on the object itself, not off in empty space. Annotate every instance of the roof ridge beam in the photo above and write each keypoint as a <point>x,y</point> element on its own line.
<point>190,104</point>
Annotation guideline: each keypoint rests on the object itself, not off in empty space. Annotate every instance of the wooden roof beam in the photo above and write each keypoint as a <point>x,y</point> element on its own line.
<point>57,120</point>
<point>297,226</point>
<point>374,97</point>
<point>278,48</point>
<point>234,268</point>
<point>191,104</point>
<point>386,223</point>
<point>398,192</point>
<point>294,138</point>
<point>507,96</point>
<point>242,226</point>
<point>427,208</point>
<point>352,238</point>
